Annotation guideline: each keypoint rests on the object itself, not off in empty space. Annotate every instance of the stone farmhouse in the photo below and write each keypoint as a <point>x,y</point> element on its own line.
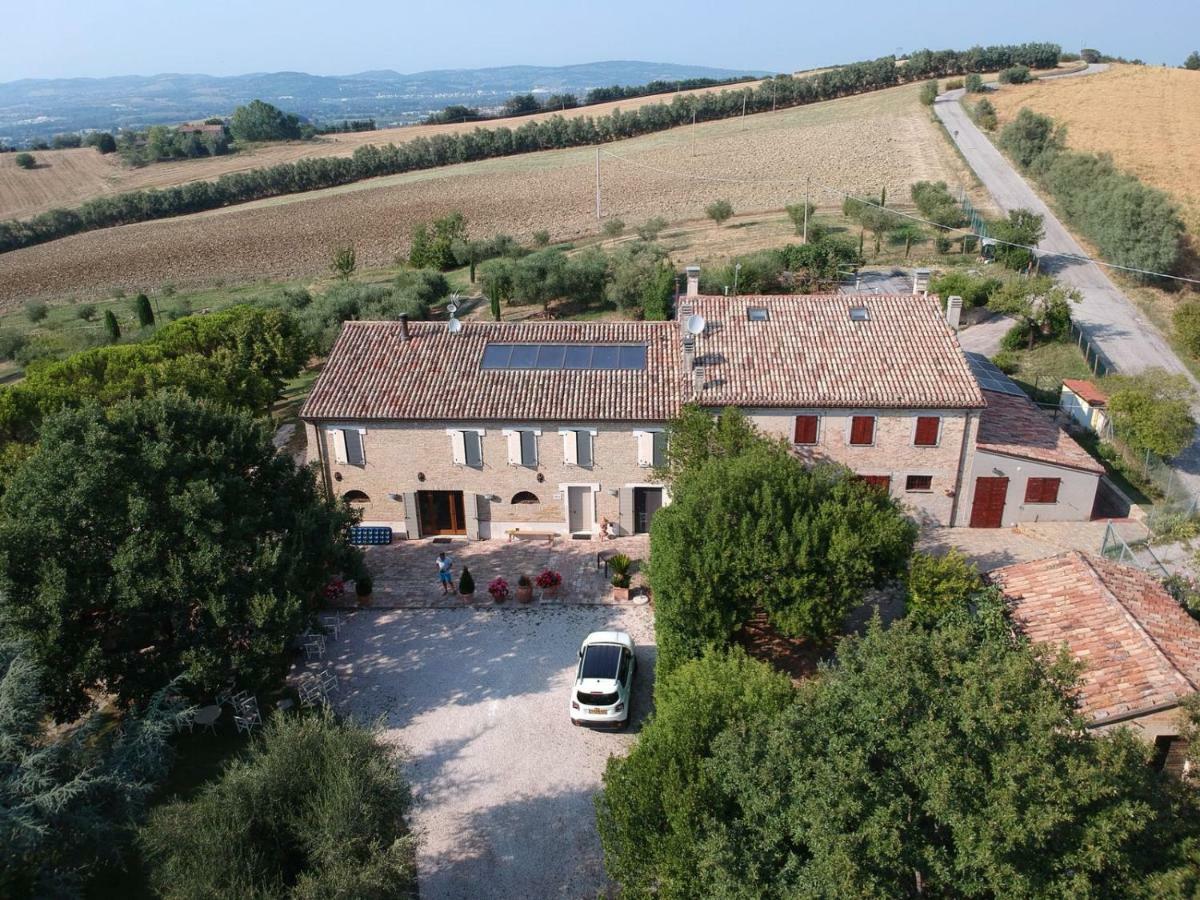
<point>485,427</point>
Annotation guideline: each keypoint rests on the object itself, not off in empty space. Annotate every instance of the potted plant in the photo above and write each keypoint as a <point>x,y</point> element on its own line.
<point>524,589</point>
<point>333,590</point>
<point>498,589</point>
<point>466,584</point>
<point>549,581</point>
<point>620,564</point>
<point>363,587</point>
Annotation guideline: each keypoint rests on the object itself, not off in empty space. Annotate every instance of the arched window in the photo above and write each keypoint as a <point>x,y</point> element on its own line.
<point>524,497</point>
<point>356,497</point>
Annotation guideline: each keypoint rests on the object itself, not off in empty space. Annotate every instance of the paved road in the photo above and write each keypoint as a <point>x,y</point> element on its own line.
<point>1111,321</point>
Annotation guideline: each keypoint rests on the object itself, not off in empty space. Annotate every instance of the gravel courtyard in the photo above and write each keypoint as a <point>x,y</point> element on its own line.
<point>478,698</point>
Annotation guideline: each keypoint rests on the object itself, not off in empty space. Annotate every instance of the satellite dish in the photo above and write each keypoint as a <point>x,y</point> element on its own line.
<point>695,324</point>
<point>454,326</point>
<point>452,306</point>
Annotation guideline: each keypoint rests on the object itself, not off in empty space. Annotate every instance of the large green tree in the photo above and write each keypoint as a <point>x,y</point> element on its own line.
<point>314,809</point>
<point>260,121</point>
<point>1152,411</point>
<point>1041,306</point>
<point>936,763</point>
<point>70,799</point>
<point>160,537</point>
<point>755,527</point>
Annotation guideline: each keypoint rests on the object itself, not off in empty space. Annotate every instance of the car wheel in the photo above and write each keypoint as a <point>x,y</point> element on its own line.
<point>575,722</point>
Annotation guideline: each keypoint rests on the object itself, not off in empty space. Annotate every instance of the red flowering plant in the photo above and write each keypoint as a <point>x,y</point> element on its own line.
<point>498,588</point>
<point>334,589</point>
<point>548,579</point>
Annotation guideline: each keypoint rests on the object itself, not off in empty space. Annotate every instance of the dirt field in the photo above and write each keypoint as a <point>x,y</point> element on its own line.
<point>1147,117</point>
<point>67,177</point>
<point>859,143</point>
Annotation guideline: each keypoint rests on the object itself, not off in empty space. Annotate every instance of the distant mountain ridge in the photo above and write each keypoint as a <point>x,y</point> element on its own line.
<point>38,108</point>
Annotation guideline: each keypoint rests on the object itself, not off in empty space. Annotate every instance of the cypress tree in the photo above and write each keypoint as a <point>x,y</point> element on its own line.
<point>145,315</point>
<point>111,326</point>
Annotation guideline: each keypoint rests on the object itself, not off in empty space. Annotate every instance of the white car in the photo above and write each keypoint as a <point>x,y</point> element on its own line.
<point>603,690</point>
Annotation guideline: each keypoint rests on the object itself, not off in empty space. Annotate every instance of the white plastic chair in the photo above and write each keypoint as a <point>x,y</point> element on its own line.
<point>333,623</point>
<point>311,693</point>
<point>314,647</point>
<point>328,682</point>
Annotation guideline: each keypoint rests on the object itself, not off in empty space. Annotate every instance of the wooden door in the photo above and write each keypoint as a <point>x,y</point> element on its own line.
<point>442,512</point>
<point>987,509</point>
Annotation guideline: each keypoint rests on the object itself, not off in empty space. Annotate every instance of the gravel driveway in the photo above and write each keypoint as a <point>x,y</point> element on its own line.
<point>478,697</point>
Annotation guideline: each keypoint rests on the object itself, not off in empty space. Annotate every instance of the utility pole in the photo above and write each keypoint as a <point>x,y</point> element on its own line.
<point>736,270</point>
<point>774,89</point>
<point>597,184</point>
<point>806,179</point>
<point>744,112</point>
<point>693,132</point>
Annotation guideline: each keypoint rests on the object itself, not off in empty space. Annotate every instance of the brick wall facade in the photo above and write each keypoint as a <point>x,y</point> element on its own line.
<point>398,453</point>
<point>893,453</point>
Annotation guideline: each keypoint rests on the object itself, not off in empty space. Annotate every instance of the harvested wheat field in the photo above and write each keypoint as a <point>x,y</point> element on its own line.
<point>857,143</point>
<point>1147,117</point>
<point>68,177</point>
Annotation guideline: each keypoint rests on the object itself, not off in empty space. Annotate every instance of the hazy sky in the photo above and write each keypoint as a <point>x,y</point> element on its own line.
<point>67,38</point>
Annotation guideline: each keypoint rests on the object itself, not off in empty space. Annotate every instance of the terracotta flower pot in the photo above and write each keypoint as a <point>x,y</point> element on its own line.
<point>467,597</point>
<point>365,599</point>
<point>524,594</point>
<point>621,594</point>
<point>550,593</point>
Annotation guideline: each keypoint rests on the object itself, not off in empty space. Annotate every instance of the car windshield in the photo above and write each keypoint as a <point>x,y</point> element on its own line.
<point>600,661</point>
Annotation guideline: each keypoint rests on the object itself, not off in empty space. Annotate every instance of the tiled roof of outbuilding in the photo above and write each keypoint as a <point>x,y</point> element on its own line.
<point>1014,426</point>
<point>810,353</point>
<point>1139,648</point>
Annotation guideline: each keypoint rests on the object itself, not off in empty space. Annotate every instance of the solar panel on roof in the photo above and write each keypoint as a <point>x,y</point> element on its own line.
<point>547,357</point>
<point>989,376</point>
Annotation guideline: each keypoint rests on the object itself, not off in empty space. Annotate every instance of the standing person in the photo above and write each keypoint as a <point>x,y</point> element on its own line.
<point>445,575</point>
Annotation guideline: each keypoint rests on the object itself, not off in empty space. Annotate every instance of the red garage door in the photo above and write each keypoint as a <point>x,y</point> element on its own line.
<point>987,510</point>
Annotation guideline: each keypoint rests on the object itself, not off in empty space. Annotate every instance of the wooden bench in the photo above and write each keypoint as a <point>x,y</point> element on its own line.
<point>516,534</point>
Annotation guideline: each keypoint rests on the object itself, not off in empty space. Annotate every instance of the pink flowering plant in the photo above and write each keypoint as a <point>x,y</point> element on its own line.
<point>548,579</point>
<point>334,589</point>
<point>498,588</point>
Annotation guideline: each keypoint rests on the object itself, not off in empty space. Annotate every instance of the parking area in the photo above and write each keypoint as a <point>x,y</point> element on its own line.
<point>478,698</point>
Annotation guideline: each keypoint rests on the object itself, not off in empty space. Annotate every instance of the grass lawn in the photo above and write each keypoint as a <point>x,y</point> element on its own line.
<point>1040,371</point>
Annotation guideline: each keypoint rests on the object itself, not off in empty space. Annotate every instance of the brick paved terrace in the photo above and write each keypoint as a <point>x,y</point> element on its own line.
<point>405,572</point>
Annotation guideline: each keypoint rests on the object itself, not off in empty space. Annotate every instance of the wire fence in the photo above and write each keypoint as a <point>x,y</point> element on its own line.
<point>1139,554</point>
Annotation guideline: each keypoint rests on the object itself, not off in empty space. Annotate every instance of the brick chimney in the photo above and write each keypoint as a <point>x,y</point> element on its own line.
<point>953,311</point>
<point>693,281</point>
<point>403,327</point>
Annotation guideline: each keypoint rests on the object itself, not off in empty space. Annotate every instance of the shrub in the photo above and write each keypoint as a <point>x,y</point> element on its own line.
<point>984,115</point>
<point>1186,591</point>
<point>941,243</point>
<point>466,582</point>
<point>937,204</point>
<point>1152,411</point>
<point>343,262</point>
<point>1015,75</point>
<point>313,808</point>
<point>938,586</point>
<point>613,228</point>
<point>36,311</point>
<point>1187,325</point>
<point>929,92</point>
<point>1023,228</point>
<point>541,238</point>
<point>363,586</point>
<point>433,243</point>
<point>620,563</point>
<point>1006,361</point>
<point>86,311</point>
<point>1016,338</point>
<point>25,160</point>
<point>975,291</point>
<point>1031,137</point>
<point>11,344</point>
<point>651,228</point>
<point>973,83</point>
<point>800,213</point>
<point>953,84</point>
<point>720,211</point>
<point>259,121</point>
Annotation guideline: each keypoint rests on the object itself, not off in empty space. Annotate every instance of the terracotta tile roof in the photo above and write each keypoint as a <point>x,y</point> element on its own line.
<point>1138,646</point>
<point>810,353</point>
<point>1014,426</point>
<point>1086,391</point>
<point>373,374</point>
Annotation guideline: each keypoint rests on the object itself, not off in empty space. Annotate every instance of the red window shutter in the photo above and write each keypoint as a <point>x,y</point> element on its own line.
<point>806,430</point>
<point>883,482</point>
<point>862,430</point>
<point>1042,490</point>
<point>927,431</point>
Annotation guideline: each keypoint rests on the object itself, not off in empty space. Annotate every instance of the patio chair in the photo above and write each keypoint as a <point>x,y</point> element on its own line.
<point>314,647</point>
<point>311,693</point>
<point>328,681</point>
<point>333,623</point>
<point>247,707</point>
<point>247,723</point>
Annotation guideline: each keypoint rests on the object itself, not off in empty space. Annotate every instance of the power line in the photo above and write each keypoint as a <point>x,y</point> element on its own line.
<point>867,202</point>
